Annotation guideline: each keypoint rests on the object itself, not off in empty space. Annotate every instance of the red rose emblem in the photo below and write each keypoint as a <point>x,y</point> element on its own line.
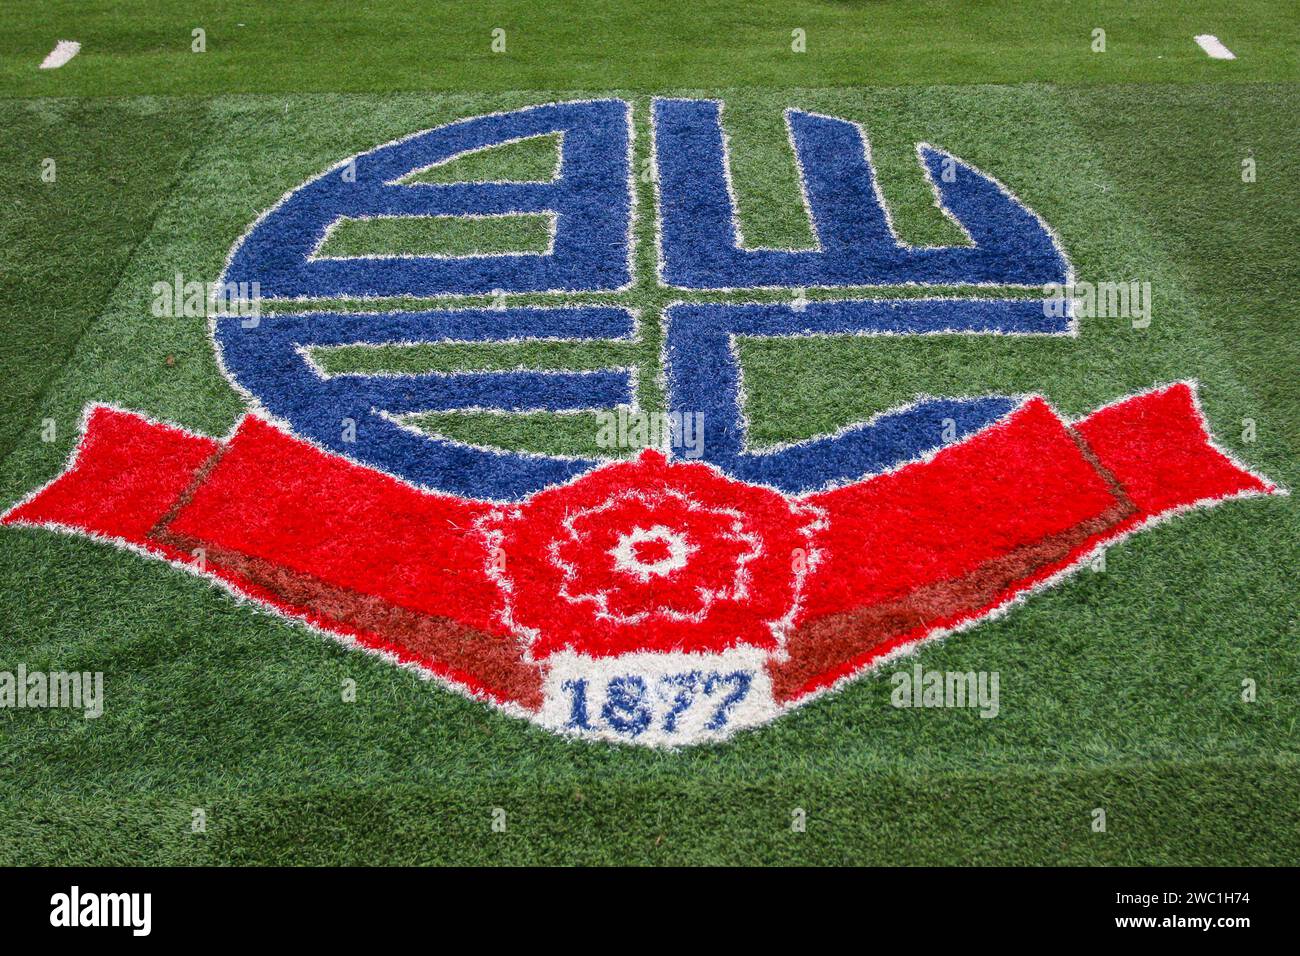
<point>651,555</point>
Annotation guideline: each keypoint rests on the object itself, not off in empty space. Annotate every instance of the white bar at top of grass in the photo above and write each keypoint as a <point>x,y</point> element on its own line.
<point>1214,47</point>
<point>63,51</point>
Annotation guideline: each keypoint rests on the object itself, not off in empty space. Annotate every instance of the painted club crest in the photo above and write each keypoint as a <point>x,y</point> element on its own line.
<point>664,599</point>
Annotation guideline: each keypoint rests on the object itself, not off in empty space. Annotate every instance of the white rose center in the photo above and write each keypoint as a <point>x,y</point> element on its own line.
<point>627,559</point>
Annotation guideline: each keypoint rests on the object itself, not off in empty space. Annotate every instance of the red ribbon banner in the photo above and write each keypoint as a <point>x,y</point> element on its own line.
<point>647,555</point>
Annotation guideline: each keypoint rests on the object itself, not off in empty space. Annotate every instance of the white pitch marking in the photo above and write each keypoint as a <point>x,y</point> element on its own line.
<point>63,51</point>
<point>1214,47</point>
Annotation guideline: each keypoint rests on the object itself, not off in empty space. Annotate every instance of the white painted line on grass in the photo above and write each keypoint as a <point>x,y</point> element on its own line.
<point>63,51</point>
<point>1214,46</point>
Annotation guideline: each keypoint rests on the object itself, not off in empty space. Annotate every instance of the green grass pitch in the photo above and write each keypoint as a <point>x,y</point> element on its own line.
<point>1120,689</point>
